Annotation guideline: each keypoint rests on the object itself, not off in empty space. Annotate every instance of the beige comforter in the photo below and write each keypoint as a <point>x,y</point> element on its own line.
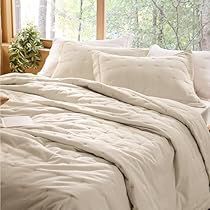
<point>96,147</point>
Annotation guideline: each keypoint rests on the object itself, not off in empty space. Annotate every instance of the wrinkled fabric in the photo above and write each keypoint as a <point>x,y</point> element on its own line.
<point>95,146</point>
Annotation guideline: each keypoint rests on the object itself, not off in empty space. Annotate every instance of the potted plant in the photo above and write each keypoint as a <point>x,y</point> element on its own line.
<point>24,50</point>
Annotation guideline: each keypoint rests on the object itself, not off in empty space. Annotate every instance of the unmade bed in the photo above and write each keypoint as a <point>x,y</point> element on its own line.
<point>95,147</point>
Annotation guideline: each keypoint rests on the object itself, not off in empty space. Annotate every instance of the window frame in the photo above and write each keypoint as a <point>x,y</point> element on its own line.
<point>8,22</point>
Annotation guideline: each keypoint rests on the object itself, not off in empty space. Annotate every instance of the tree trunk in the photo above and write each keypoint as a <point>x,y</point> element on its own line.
<point>160,26</point>
<point>205,18</point>
<point>80,20</point>
<point>42,17</point>
<point>52,20</point>
<point>137,38</point>
<point>17,15</point>
<point>154,25</point>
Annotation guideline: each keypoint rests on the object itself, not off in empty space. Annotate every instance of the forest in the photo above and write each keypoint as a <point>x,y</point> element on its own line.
<point>172,24</point>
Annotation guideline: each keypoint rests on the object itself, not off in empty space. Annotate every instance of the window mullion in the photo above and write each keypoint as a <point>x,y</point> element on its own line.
<point>7,20</point>
<point>100,23</point>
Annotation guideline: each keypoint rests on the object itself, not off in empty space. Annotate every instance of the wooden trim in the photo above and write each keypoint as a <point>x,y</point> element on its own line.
<point>47,43</point>
<point>100,22</point>
<point>7,20</point>
<point>0,40</point>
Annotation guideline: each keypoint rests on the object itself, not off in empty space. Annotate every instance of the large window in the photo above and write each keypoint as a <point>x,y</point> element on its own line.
<point>172,24</point>
<point>70,19</point>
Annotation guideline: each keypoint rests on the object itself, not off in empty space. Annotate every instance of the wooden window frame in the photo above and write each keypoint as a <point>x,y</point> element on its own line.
<point>7,14</point>
<point>7,20</point>
<point>100,19</point>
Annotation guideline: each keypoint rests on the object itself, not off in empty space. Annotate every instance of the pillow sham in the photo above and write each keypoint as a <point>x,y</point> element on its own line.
<point>156,50</point>
<point>76,61</point>
<point>53,57</point>
<point>201,60</point>
<point>165,77</point>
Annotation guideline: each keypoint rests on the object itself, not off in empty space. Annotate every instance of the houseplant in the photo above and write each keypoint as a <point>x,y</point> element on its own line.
<point>24,50</point>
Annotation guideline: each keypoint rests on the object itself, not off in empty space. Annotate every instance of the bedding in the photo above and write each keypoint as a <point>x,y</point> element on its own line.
<point>94,146</point>
<point>55,51</point>
<point>205,111</point>
<point>166,77</point>
<point>75,59</point>
<point>201,60</point>
<point>52,59</point>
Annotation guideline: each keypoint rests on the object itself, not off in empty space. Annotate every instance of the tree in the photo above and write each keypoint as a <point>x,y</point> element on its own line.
<point>173,24</point>
<point>52,20</point>
<point>205,24</point>
<point>154,24</point>
<point>80,20</point>
<point>160,35</point>
<point>42,17</point>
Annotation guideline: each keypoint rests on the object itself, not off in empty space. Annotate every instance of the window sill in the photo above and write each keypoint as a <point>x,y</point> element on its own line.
<point>45,49</point>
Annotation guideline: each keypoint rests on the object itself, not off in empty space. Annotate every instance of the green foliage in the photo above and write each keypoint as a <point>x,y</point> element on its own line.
<point>69,16</point>
<point>172,24</point>
<point>24,50</point>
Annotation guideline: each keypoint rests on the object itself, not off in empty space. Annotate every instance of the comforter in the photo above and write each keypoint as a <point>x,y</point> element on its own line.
<point>97,147</point>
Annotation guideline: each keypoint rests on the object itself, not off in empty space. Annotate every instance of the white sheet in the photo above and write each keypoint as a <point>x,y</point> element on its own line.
<point>98,147</point>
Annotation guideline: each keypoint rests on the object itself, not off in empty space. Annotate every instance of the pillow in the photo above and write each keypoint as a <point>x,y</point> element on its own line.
<point>201,60</point>
<point>165,77</point>
<point>53,57</point>
<point>156,50</point>
<point>202,73</point>
<point>76,60</point>
<point>3,99</point>
<point>124,41</point>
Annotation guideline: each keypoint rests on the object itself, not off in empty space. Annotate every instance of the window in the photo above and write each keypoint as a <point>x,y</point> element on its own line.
<point>71,19</point>
<point>173,24</point>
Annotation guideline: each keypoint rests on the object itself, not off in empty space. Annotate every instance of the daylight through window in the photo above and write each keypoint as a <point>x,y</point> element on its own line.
<point>172,24</point>
<point>74,20</point>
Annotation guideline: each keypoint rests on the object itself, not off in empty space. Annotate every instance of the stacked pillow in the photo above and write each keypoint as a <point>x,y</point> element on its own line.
<point>124,41</point>
<point>163,73</point>
<point>58,44</point>
<point>201,60</point>
<point>73,59</point>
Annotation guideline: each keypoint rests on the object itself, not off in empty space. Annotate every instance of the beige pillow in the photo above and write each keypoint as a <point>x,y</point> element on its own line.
<point>201,60</point>
<point>52,59</point>
<point>75,59</point>
<point>123,41</point>
<point>57,46</point>
<point>165,77</point>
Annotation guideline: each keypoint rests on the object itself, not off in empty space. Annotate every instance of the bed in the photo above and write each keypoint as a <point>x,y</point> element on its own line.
<point>89,150</point>
<point>97,142</point>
